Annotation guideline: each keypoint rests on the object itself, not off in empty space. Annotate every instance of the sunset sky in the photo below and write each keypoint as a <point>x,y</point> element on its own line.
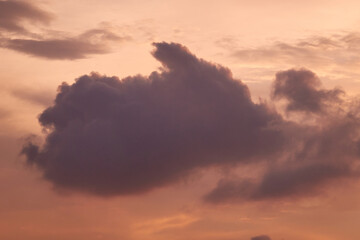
<point>180,120</point>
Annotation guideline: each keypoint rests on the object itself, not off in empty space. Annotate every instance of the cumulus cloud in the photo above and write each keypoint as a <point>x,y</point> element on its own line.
<point>109,136</point>
<point>262,237</point>
<point>301,88</point>
<point>13,14</point>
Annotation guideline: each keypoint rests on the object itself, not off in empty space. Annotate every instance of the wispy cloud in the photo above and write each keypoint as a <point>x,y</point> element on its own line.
<point>162,224</point>
<point>95,41</point>
<point>39,97</point>
<point>13,15</point>
<point>339,49</point>
<point>16,37</point>
<point>335,56</point>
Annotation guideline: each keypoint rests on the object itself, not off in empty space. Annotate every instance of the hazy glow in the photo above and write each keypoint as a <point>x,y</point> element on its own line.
<point>254,39</point>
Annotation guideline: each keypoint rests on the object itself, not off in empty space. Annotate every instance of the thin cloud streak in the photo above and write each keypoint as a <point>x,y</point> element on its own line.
<point>42,98</point>
<point>90,42</point>
<point>65,49</point>
<point>319,51</point>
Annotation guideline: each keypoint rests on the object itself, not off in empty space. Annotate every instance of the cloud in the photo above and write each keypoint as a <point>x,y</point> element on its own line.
<point>109,136</point>
<point>17,37</point>
<point>94,41</point>
<point>314,50</point>
<point>262,237</point>
<point>301,89</point>
<point>14,13</point>
<point>276,184</point>
<point>335,56</point>
<point>298,181</point>
<point>230,190</point>
<point>322,153</point>
<point>43,98</point>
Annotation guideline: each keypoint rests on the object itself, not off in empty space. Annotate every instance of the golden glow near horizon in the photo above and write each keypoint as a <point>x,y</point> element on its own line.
<point>254,39</point>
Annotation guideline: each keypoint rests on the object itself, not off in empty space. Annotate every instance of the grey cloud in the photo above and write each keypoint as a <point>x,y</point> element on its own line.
<point>231,191</point>
<point>94,41</point>
<point>14,13</point>
<point>288,182</point>
<point>56,48</point>
<point>261,237</point>
<point>46,45</point>
<point>322,154</point>
<point>301,88</point>
<point>108,136</point>
<point>298,181</point>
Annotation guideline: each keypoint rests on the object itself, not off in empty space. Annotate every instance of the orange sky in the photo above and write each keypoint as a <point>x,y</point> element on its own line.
<point>254,39</point>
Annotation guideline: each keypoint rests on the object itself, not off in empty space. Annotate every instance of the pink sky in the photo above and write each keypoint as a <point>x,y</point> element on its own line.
<point>240,124</point>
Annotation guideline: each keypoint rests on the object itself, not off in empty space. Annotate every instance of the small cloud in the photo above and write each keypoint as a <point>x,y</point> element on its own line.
<point>94,41</point>
<point>16,37</point>
<point>301,88</point>
<point>162,224</point>
<point>261,237</point>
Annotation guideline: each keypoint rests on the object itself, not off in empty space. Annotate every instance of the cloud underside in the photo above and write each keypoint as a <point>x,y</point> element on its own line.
<point>108,136</point>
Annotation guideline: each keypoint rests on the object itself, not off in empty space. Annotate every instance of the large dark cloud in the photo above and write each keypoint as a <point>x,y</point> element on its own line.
<point>109,136</point>
<point>261,237</point>
<point>14,13</point>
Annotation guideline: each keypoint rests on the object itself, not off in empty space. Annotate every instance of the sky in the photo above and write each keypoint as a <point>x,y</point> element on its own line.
<point>197,120</point>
